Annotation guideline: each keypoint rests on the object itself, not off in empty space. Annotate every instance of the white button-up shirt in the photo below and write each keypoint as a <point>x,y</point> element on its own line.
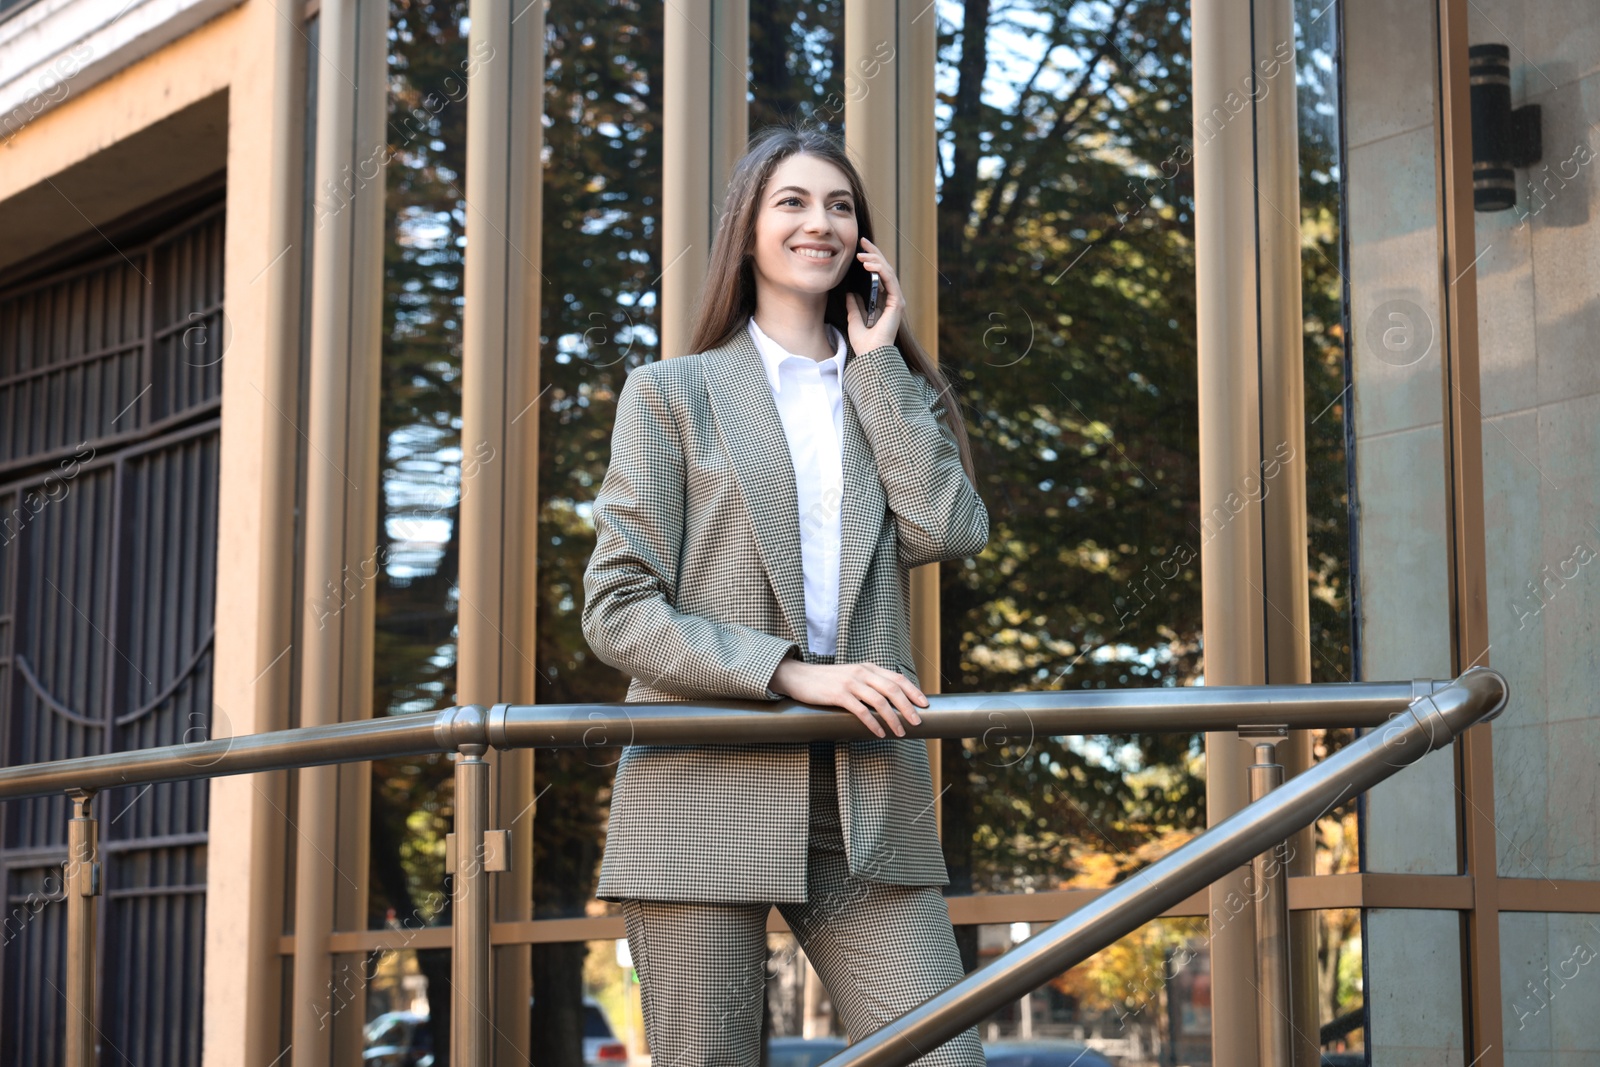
<point>810,402</point>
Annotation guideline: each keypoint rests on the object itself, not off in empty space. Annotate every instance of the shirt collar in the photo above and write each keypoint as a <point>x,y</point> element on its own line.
<point>773,354</point>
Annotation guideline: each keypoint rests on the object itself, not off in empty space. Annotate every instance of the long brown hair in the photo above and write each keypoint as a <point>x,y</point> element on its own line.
<point>729,296</point>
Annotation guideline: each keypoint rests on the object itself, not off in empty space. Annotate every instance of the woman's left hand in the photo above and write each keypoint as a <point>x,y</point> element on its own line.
<point>862,338</point>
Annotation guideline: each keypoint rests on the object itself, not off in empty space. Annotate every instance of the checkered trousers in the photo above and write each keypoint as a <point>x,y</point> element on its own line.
<point>880,950</point>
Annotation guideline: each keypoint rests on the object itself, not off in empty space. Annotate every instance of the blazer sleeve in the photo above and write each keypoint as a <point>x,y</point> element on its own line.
<point>937,512</point>
<point>631,582</point>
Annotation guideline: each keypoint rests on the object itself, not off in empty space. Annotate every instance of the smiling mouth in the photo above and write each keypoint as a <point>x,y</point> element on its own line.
<point>815,254</point>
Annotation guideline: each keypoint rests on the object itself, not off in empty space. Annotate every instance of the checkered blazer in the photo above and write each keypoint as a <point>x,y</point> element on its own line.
<point>695,590</point>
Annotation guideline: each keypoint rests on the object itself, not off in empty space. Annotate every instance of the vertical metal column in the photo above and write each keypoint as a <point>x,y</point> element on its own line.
<point>1269,871</point>
<point>81,885</point>
<point>331,820</point>
<point>1481,958</point>
<point>1285,581</point>
<point>243,1002</point>
<point>1227,345</point>
<point>469,962</point>
<point>705,65</point>
<point>498,533</point>
<point>1249,339</point>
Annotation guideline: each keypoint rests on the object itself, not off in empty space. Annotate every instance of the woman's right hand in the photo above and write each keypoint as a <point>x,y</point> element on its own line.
<point>863,689</point>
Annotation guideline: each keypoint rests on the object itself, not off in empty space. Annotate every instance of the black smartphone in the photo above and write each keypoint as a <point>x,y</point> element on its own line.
<point>870,286</point>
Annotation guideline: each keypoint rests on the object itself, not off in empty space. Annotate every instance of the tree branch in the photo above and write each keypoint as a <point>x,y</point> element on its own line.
<point>1072,110</point>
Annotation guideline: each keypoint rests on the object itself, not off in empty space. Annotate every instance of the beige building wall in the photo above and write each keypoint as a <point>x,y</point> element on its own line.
<point>1397,320</point>
<point>205,100</point>
<point>1539,320</point>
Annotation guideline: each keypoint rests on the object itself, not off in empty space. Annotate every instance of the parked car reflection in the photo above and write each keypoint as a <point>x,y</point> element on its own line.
<point>1045,1052</point>
<point>600,1045</point>
<point>802,1051</point>
<point>397,1039</point>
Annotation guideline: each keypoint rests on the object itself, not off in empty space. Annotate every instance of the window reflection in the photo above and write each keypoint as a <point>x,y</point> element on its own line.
<point>1340,993</point>
<point>1327,410</point>
<point>1066,258</point>
<point>1322,305</point>
<point>1066,320</point>
<point>1066,316</point>
<point>1144,1000</point>
<point>797,66</point>
<point>601,263</point>
<point>413,568</point>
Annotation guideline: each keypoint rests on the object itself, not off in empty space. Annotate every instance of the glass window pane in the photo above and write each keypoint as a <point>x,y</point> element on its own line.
<point>1066,319</point>
<point>797,63</point>
<point>1540,393</point>
<point>1327,409</point>
<point>602,263</point>
<point>1341,1011</point>
<point>413,569</point>
<point>1322,307</point>
<point>1145,999</point>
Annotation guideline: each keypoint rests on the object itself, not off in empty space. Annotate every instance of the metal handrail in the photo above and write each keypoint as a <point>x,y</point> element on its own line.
<point>1417,717</point>
<point>1191,709</point>
<point>1432,722</point>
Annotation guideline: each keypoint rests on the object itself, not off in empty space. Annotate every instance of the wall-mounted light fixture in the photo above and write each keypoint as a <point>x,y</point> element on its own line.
<point>1501,138</point>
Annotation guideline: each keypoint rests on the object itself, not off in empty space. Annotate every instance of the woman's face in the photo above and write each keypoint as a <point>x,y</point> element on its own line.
<point>806,233</point>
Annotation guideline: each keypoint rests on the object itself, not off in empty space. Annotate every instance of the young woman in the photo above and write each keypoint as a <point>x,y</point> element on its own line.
<point>766,497</point>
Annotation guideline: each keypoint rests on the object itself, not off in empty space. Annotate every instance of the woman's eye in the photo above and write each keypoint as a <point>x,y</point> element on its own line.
<point>795,200</point>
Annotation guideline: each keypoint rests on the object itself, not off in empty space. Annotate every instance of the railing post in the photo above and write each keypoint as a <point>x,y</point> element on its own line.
<point>470,1026</point>
<point>81,885</point>
<point>1269,871</point>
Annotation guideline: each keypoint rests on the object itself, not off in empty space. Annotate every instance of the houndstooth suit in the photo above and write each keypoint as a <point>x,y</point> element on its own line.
<point>695,590</point>
<point>880,950</point>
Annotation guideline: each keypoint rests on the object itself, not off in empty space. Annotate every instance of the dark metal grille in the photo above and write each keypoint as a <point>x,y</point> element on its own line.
<point>115,350</point>
<point>110,387</point>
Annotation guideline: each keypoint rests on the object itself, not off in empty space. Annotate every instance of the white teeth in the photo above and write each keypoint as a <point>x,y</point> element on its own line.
<point>814,253</point>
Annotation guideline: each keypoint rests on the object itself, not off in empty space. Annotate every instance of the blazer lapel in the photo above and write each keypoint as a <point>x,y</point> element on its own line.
<point>758,449</point>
